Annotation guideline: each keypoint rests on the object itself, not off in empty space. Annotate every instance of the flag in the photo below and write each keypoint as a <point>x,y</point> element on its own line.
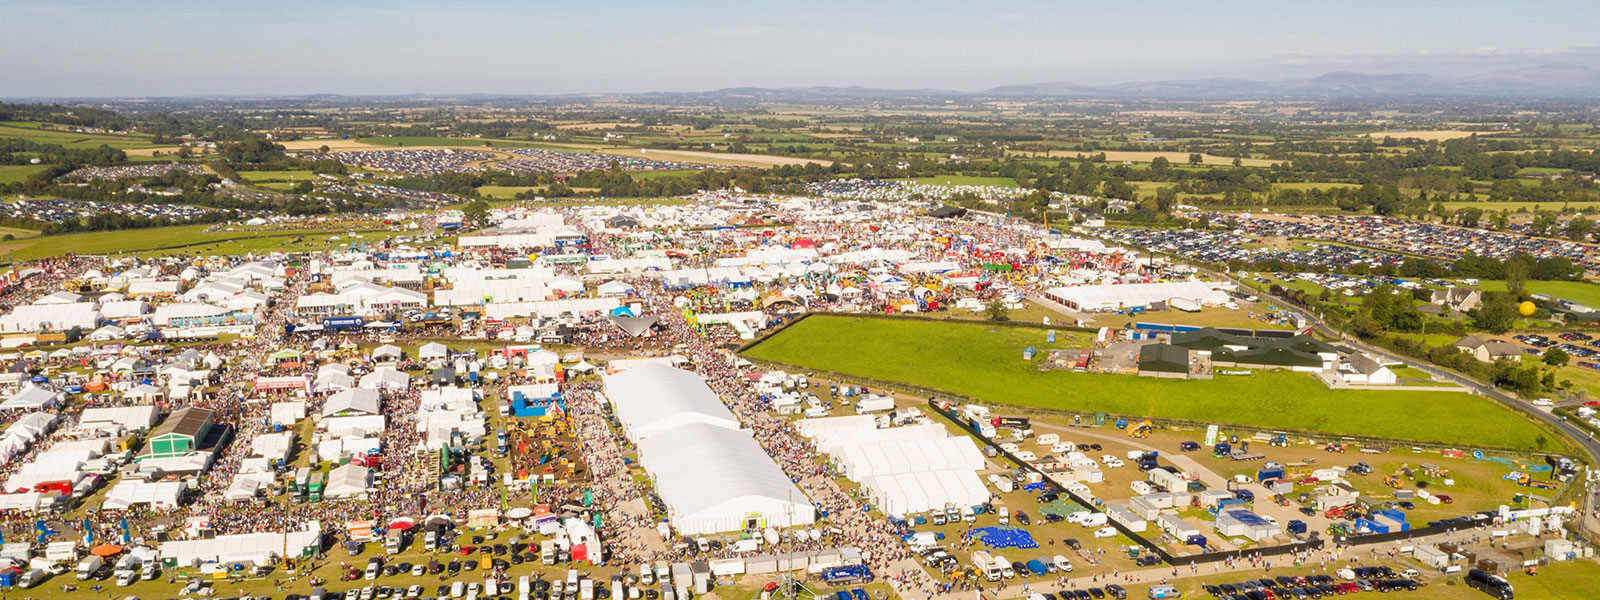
<point>127,537</point>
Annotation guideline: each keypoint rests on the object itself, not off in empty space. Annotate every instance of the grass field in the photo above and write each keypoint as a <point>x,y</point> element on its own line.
<point>965,180</point>
<point>1209,317</point>
<point>1582,292</point>
<point>985,361</point>
<point>16,173</point>
<point>193,239</point>
<point>504,192</point>
<point>259,176</point>
<point>68,139</point>
<point>1523,206</point>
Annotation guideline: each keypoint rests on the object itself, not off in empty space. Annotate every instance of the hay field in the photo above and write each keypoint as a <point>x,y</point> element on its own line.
<point>1428,136</point>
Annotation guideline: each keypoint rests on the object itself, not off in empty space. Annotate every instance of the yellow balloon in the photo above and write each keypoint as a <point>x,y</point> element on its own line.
<point>1526,308</point>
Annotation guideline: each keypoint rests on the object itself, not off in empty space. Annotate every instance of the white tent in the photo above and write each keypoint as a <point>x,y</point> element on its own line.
<point>386,351</point>
<point>715,479</point>
<point>903,469</point>
<point>352,402</point>
<point>432,350</point>
<point>31,398</point>
<point>348,481</point>
<point>244,547</point>
<point>385,378</point>
<point>650,398</point>
<point>286,413</point>
<point>154,494</point>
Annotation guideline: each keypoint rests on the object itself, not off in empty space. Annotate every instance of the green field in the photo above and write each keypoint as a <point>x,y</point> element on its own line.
<point>68,139</point>
<point>184,238</point>
<point>985,361</point>
<point>16,173</point>
<point>260,176</point>
<point>504,192</point>
<point>964,180</point>
<point>1582,292</point>
<point>1523,206</point>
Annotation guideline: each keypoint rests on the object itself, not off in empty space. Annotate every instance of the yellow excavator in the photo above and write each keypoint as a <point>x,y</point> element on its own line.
<point>1142,430</point>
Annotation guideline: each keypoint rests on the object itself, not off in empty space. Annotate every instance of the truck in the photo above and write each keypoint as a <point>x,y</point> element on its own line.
<point>987,565</point>
<point>874,404</point>
<point>394,541</point>
<point>127,571</point>
<point>89,567</point>
<point>846,575</point>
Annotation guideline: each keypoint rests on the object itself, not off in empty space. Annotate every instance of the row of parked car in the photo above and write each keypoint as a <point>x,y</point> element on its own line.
<point>1364,579</point>
<point>1109,591</point>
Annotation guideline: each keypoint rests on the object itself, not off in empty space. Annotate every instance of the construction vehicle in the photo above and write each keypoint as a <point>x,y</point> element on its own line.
<point>1392,481</point>
<point>1528,480</point>
<point>1141,430</point>
<point>1334,447</point>
<point>1280,440</point>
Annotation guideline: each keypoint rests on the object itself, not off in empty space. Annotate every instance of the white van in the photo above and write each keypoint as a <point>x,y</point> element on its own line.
<point>1005,567</point>
<point>458,589</point>
<point>1004,514</point>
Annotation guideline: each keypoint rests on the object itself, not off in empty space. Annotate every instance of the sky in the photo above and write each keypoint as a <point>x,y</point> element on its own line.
<point>109,48</point>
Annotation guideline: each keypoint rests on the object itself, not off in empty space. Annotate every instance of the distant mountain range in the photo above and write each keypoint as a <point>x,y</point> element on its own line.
<point>1550,81</point>
<point>1544,82</point>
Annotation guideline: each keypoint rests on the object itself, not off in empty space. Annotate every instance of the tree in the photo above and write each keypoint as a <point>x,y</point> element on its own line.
<point>476,212</point>
<point>996,310</point>
<point>1557,357</point>
<point>1195,158</point>
<point>1497,314</point>
<point>1578,229</point>
<point>1516,276</point>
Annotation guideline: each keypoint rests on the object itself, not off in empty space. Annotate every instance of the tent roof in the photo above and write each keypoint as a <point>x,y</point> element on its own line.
<point>653,397</point>
<point>352,401</point>
<point>705,472</point>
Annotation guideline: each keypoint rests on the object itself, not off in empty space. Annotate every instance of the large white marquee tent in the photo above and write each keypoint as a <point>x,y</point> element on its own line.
<point>652,398</point>
<point>712,475</point>
<point>714,479</point>
<point>904,470</point>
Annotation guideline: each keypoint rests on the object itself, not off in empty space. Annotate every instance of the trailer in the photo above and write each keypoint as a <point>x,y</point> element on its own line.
<point>874,404</point>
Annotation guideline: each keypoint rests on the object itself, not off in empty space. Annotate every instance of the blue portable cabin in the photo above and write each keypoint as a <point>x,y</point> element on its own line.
<point>1196,540</point>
